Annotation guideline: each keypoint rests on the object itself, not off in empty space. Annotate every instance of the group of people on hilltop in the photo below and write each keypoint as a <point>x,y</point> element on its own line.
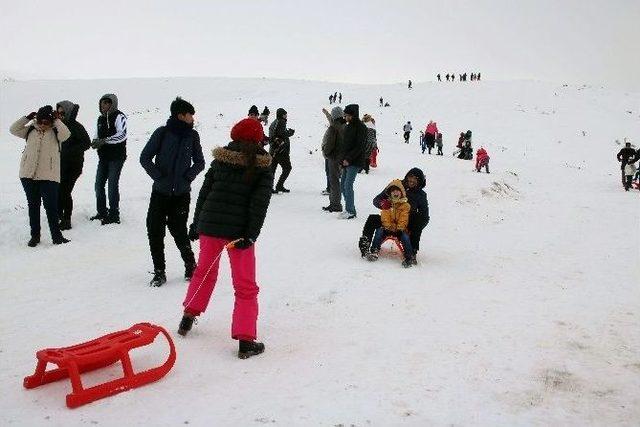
<point>53,159</point>
<point>628,157</point>
<point>461,77</point>
<point>335,98</point>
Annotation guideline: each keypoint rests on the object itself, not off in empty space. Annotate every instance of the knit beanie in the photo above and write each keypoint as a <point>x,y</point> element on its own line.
<point>247,130</point>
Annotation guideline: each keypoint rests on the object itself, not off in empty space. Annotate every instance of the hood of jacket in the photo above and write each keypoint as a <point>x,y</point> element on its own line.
<point>114,103</point>
<point>336,113</point>
<point>280,112</point>
<point>396,183</point>
<point>417,172</point>
<point>70,110</point>
<point>353,110</point>
<point>232,156</point>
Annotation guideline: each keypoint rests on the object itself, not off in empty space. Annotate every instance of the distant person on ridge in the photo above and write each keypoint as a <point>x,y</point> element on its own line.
<point>410,84</point>
<point>381,101</point>
<point>439,79</point>
<point>264,117</point>
<point>339,98</point>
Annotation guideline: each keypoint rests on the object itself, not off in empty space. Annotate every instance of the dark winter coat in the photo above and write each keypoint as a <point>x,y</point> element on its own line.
<point>416,196</point>
<point>173,157</point>
<point>355,138</point>
<point>72,150</point>
<point>626,156</point>
<point>279,135</point>
<point>107,129</point>
<point>228,205</point>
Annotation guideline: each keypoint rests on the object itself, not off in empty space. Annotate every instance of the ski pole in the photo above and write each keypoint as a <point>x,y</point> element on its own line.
<point>229,245</point>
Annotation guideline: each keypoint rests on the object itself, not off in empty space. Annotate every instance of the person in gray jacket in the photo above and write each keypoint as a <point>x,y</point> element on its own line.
<point>331,146</point>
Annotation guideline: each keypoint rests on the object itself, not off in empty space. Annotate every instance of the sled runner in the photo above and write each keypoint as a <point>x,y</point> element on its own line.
<point>99,353</point>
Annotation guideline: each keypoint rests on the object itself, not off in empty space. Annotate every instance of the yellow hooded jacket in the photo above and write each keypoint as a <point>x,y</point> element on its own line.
<point>397,217</point>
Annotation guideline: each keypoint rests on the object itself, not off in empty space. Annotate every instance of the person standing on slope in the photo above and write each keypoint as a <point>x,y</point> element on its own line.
<point>482,160</point>
<point>430,135</point>
<point>352,157</point>
<point>280,149</point>
<point>230,211</point>
<point>331,148</point>
<point>625,156</point>
<point>173,158</point>
<point>407,132</point>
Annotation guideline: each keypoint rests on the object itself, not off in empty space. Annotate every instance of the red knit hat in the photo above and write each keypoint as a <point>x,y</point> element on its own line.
<point>247,130</point>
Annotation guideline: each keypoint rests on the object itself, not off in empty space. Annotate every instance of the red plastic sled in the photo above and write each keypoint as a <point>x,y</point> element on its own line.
<point>99,353</point>
<point>397,242</point>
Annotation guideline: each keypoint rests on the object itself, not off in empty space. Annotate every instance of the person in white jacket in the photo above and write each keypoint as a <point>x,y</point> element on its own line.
<point>40,168</point>
<point>407,131</point>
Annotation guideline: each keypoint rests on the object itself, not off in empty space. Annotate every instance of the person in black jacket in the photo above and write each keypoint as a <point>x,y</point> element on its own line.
<point>625,156</point>
<point>414,183</point>
<point>230,212</point>
<point>352,156</point>
<point>280,149</point>
<point>111,143</point>
<point>71,159</point>
<point>178,160</point>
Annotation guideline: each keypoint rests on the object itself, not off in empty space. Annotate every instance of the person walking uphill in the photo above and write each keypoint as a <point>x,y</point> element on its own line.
<point>178,160</point>
<point>230,212</point>
<point>280,148</point>
<point>71,159</point>
<point>111,143</point>
<point>352,157</point>
<point>40,168</point>
<point>625,156</point>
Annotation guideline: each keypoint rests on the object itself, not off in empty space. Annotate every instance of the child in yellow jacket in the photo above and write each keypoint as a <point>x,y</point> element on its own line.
<point>395,220</point>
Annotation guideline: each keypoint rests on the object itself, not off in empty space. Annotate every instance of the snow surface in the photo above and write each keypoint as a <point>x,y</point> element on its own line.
<point>523,310</point>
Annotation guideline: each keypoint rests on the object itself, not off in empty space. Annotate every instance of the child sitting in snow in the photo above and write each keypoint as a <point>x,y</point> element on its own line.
<point>395,219</point>
<point>482,159</point>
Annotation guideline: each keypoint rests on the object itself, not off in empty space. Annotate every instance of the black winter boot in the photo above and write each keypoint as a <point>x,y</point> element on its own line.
<point>60,240</point>
<point>364,245</point>
<point>159,278</point>
<point>33,242</point>
<point>246,349</point>
<point>186,324</point>
<point>112,218</point>
<point>188,271</point>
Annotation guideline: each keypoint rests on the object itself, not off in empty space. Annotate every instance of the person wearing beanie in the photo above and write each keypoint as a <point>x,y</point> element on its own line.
<point>40,168</point>
<point>111,144</point>
<point>352,158</point>
<point>172,158</point>
<point>331,148</point>
<point>279,149</point>
<point>253,112</point>
<point>230,211</point>
<point>71,159</point>
<point>264,117</point>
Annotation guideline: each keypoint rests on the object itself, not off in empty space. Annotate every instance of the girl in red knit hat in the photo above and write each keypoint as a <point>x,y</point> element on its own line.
<point>229,214</point>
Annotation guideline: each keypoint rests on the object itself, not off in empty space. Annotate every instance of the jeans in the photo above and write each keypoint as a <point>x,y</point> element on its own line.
<point>168,212</point>
<point>381,233</point>
<point>347,179</point>
<point>47,191</point>
<point>108,170</point>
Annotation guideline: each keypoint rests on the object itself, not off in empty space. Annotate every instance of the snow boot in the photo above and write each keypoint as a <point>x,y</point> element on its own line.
<point>65,224</point>
<point>283,190</point>
<point>406,263</point>
<point>246,349</point>
<point>186,324</point>
<point>364,244</point>
<point>372,256</point>
<point>159,278</point>
<point>98,216</point>
<point>331,209</point>
<point>33,242</point>
<point>60,240</point>
<point>112,218</point>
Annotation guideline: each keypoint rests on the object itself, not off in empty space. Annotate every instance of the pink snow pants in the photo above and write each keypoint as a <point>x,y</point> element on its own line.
<point>243,275</point>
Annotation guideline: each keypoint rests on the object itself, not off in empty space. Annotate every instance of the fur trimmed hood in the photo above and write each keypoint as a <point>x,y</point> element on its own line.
<point>236,158</point>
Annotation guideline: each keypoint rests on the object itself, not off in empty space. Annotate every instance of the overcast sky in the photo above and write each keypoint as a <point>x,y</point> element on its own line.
<point>374,41</point>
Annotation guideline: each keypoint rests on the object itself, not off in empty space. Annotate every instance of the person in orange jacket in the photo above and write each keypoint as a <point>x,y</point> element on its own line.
<point>394,216</point>
<point>482,159</point>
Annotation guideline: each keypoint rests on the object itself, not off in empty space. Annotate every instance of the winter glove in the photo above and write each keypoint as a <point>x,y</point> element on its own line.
<point>385,204</point>
<point>243,243</point>
<point>97,143</point>
<point>193,232</point>
<point>290,132</point>
<point>31,115</point>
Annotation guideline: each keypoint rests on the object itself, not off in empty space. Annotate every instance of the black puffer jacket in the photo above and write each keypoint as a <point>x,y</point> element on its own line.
<point>354,139</point>
<point>228,205</point>
<point>72,150</point>
<point>279,135</point>
<point>417,197</point>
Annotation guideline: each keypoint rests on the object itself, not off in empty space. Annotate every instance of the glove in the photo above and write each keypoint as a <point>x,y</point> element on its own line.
<point>385,204</point>
<point>291,132</point>
<point>193,232</point>
<point>31,115</point>
<point>243,243</point>
<point>97,143</point>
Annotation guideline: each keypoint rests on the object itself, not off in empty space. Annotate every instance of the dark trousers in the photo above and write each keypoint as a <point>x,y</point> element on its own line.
<point>416,226</point>
<point>628,182</point>
<point>108,170</point>
<point>172,212</point>
<point>406,137</point>
<point>285,163</point>
<point>47,191</point>
<point>440,150</point>
<point>69,174</point>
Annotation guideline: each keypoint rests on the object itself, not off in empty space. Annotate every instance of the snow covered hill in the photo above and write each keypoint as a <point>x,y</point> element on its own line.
<point>523,309</point>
